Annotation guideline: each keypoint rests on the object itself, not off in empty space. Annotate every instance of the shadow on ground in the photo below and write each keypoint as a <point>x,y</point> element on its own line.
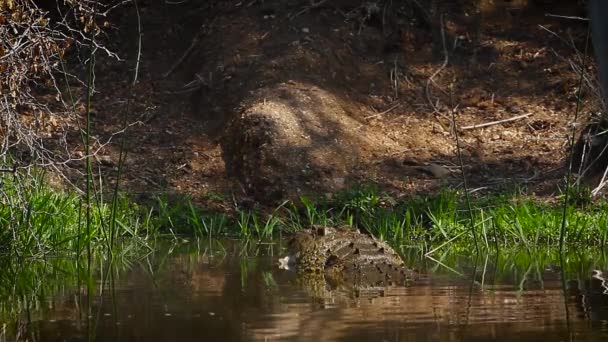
<point>275,99</point>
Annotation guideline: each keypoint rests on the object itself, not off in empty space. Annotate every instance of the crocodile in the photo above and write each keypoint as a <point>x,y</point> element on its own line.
<point>344,256</point>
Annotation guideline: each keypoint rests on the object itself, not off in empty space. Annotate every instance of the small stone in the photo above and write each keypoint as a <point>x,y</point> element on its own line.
<point>339,182</point>
<point>437,171</point>
<point>513,109</point>
<point>305,29</point>
<point>508,134</point>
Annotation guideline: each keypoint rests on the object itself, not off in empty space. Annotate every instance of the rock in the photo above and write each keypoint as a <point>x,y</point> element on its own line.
<point>105,160</point>
<point>294,136</point>
<point>438,171</point>
<point>514,109</point>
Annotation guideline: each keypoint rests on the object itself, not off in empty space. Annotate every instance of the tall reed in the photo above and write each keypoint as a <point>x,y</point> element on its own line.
<point>572,142</point>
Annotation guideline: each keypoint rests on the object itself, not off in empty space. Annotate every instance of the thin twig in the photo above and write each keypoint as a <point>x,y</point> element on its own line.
<point>432,251</point>
<point>187,53</point>
<point>566,17</point>
<point>123,139</point>
<point>589,166</point>
<point>395,78</point>
<point>426,17</point>
<point>139,44</point>
<point>492,123</point>
<point>562,233</point>
<point>600,186</point>
<point>385,111</point>
<point>462,172</point>
<point>430,80</point>
<point>308,8</point>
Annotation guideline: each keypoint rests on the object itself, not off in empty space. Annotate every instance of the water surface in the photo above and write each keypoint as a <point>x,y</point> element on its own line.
<point>227,291</point>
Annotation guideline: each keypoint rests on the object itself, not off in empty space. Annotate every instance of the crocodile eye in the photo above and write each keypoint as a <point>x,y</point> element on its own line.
<point>332,261</point>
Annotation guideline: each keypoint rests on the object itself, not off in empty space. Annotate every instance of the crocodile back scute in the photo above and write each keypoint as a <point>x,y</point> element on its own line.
<point>345,255</point>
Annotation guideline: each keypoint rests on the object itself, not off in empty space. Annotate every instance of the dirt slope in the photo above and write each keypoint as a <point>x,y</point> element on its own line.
<point>273,99</point>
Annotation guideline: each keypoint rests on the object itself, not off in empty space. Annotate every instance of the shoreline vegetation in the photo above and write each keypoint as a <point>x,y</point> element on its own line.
<point>38,221</point>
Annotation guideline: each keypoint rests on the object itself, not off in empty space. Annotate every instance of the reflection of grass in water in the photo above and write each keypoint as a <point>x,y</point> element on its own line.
<point>31,287</point>
<point>269,281</point>
<point>514,266</point>
<point>28,285</point>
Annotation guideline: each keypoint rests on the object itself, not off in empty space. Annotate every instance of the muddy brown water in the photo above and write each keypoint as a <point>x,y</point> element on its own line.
<point>225,291</point>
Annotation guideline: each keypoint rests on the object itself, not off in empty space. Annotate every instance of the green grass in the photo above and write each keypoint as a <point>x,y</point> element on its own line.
<point>501,221</point>
<point>36,220</point>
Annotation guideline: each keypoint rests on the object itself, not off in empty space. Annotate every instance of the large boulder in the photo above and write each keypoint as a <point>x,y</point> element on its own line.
<point>294,139</point>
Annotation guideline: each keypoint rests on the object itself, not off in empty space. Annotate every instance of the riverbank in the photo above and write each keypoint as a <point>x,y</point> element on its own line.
<point>49,222</point>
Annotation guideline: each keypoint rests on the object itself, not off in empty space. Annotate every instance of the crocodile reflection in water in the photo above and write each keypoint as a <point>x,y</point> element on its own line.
<point>345,256</point>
